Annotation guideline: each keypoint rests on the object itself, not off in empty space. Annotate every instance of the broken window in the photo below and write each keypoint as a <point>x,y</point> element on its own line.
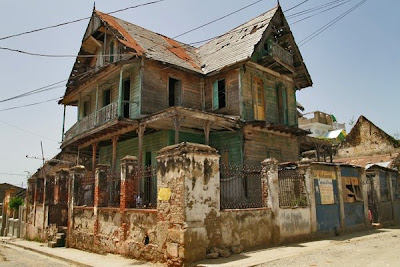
<point>174,92</point>
<point>351,189</point>
<point>219,94</point>
<point>106,97</point>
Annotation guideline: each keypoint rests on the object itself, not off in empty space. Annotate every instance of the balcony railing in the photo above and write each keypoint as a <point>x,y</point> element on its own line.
<point>93,120</point>
<point>282,54</point>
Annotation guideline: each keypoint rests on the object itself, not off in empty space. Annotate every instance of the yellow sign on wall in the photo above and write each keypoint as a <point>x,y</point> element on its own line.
<point>164,194</point>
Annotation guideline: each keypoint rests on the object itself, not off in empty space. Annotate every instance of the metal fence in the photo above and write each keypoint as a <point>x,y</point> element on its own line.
<point>113,183</point>
<point>84,190</point>
<point>143,183</point>
<point>240,187</point>
<point>292,187</point>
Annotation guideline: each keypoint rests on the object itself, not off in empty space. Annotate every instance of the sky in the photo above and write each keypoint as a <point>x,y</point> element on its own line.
<point>354,64</point>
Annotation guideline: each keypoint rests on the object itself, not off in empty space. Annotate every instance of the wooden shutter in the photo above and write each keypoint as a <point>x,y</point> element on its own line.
<point>215,95</point>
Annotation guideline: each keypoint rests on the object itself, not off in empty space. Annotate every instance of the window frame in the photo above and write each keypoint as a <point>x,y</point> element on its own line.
<point>216,94</point>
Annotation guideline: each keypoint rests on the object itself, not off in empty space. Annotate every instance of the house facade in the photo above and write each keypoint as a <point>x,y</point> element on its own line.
<point>143,91</point>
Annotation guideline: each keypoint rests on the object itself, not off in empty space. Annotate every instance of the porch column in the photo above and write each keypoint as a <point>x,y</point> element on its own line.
<point>94,153</point>
<point>177,126</point>
<point>120,93</point>
<point>114,152</point>
<point>206,129</point>
<point>140,133</point>
<point>97,105</point>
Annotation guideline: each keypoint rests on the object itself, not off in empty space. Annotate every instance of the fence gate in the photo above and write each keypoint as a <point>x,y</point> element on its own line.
<point>292,187</point>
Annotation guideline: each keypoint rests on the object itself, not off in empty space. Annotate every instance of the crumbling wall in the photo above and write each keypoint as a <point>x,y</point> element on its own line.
<point>82,234</point>
<point>248,228</point>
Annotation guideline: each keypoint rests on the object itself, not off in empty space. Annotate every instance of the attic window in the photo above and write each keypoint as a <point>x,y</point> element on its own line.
<point>174,92</point>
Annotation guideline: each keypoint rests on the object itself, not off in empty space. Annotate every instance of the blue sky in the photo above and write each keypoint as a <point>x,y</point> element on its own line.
<point>354,64</point>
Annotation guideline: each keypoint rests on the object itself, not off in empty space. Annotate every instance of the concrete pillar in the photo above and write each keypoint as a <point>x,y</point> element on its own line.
<point>129,165</point>
<point>75,174</point>
<point>100,194</point>
<point>270,170</point>
<point>391,175</point>
<point>340,197</point>
<point>188,202</point>
<point>377,192</point>
<point>309,181</point>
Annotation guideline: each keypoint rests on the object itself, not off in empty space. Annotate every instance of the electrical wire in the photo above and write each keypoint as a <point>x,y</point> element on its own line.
<point>32,104</point>
<point>330,24</point>
<point>13,174</point>
<point>27,131</point>
<point>45,88</point>
<point>76,20</point>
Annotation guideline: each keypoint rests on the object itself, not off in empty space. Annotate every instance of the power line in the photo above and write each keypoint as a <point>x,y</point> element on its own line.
<point>35,91</point>
<point>32,104</point>
<point>217,19</point>
<point>330,24</point>
<point>27,131</point>
<point>13,174</point>
<point>76,20</point>
<point>295,6</point>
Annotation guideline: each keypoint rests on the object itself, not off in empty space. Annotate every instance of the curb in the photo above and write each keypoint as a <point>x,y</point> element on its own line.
<point>47,254</point>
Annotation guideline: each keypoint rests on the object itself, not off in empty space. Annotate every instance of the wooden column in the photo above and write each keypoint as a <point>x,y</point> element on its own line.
<point>94,153</point>
<point>140,133</point>
<point>120,93</point>
<point>177,126</point>
<point>114,152</point>
<point>206,129</point>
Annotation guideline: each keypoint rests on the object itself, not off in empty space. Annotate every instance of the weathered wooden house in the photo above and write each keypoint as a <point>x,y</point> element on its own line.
<point>143,91</point>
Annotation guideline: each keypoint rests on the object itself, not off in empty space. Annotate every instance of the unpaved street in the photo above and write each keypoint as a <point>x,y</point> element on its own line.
<point>17,257</point>
<point>372,248</point>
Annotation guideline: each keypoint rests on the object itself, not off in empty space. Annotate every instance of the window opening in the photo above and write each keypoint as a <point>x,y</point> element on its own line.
<point>219,94</point>
<point>126,97</point>
<point>106,97</point>
<point>174,92</point>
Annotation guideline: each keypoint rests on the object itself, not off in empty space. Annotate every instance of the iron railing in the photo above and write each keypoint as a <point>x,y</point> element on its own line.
<point>292,188</point>
<point>84,190</point>
<point>240,187</point>
<point>113,189</point>
<point>144,181</point>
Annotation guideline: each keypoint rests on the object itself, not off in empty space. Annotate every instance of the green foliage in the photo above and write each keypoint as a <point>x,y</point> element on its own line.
<point>15,202</point>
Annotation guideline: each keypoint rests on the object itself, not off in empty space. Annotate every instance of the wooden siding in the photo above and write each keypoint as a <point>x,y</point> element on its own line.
<point>258,145</point>
<point>132,73</point>
<point>232,92</point>
<point>271,98</point>
<point>155,87</point>
<point>231,142</point>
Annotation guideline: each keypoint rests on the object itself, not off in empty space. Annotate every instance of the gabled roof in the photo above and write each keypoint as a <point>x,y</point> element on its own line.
<point>237,45</point>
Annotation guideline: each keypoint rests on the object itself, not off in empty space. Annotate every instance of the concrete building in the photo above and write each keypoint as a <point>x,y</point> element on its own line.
<point>320,124</point>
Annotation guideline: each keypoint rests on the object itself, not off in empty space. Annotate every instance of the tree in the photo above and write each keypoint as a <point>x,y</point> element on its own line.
<point>15,202</point>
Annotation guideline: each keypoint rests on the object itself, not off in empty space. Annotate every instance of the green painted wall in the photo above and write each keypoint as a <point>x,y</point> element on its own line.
<point>151,143</point>
<point>271,99</point>
<point>231,141</point>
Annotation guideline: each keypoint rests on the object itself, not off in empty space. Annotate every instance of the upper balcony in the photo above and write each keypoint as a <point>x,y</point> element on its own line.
<point>277,58</point>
